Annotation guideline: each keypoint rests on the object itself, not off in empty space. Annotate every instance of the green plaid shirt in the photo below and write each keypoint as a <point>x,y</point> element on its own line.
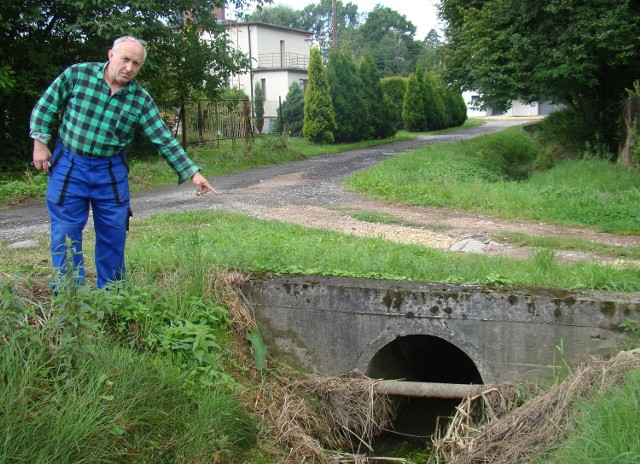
<point>95,123</point>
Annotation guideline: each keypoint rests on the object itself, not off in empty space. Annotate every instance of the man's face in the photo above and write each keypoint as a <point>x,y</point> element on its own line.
<point>125,60</point>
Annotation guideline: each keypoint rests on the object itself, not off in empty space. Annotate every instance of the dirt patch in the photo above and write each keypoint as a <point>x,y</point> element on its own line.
<point>436,228</point>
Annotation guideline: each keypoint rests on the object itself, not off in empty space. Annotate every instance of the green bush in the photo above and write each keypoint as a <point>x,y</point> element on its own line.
<point>380,111</point>
<point>258,106</point>
<point>562,135</point>
<point>435,110</point>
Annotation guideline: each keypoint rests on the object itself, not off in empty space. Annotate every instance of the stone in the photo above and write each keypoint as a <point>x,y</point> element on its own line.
<point>23,245</point>
<point>469,245</point>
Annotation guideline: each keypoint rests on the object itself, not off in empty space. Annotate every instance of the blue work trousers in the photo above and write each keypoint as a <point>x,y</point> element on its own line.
<point>77,183</point>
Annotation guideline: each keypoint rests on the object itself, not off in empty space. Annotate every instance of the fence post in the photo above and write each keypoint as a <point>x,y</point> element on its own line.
<point>245,110</point>
<point>200,122</point>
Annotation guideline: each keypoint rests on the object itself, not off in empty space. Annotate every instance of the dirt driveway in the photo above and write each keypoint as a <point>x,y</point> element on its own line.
<point>311,193</point>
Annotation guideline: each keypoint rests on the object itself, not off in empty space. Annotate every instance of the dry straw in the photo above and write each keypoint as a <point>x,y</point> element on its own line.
<point>311,417</point>
<point>519,435</point>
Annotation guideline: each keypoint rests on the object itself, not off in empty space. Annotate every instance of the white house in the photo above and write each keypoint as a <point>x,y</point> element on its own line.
<point>279,56</point>
<point>517,108</point>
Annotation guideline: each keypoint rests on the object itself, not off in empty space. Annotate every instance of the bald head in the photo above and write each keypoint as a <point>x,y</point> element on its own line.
<point>125,60</point>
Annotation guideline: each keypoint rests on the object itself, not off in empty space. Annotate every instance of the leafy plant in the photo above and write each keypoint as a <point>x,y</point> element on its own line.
<point>259,349</point>
<point>632,327</point>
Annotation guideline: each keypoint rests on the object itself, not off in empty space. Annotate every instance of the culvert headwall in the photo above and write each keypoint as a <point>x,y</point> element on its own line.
<point>333,325</point>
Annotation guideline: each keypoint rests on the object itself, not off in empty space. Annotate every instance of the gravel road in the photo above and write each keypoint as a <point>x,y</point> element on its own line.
<point>310,192</point>
<point>312,182</point>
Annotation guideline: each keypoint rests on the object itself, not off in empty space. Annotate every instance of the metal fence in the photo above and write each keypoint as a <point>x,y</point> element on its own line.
<point>283,60</point>
<point>207,122</point>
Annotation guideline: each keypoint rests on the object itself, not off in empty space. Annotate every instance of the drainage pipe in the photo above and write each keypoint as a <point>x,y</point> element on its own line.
<point>427,389</point>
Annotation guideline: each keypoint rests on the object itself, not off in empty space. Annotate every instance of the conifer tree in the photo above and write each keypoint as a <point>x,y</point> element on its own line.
<point>319,116</point>
<point>394,88</point>
<point>380,110</point>
<point>258,106</point>
<point>413,114</point>
<point>348,98</point>
<point>290,119</point>
<point>434,103</point>
<point>456,105</point>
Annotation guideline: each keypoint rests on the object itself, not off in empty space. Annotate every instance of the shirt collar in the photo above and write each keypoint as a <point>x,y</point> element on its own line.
<point>124,90</point>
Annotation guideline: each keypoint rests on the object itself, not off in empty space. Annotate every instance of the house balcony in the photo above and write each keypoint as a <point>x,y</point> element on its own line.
<point>283,61</point>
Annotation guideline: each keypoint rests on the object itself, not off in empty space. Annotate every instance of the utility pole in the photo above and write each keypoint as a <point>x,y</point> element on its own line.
<point>334,10</point>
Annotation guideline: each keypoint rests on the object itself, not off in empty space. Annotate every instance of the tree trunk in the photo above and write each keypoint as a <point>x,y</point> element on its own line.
<point>630,129</point>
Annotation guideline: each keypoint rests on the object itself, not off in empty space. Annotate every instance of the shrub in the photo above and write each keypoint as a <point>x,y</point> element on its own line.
<point>380,111</point>
<point>562,135</point>
<point>434,106</point>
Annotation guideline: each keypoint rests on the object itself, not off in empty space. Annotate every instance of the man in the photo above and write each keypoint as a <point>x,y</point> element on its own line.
<point>101,107</point>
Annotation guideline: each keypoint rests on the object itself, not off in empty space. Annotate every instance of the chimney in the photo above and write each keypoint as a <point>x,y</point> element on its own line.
<point>219,13</point>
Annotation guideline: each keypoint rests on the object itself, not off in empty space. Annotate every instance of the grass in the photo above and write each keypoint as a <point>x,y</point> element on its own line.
<point>607,431</point>
<point>234,241</point>
<point>120,406</point>
<point>132,374</point>
<point>490,174</point>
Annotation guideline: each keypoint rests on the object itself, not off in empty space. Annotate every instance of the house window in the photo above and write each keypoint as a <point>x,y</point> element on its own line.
<point>263,84</point>
<point>303,83</point>
<point>282,54</point>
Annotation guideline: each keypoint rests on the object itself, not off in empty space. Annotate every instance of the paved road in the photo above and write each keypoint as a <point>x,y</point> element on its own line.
<point>318,182</point>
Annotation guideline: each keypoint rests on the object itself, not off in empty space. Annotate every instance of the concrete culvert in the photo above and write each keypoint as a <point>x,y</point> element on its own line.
<point>421,358</point>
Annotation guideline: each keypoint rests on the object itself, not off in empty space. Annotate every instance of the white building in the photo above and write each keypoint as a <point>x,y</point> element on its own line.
<point>517,108</point>
<point>279,56</point>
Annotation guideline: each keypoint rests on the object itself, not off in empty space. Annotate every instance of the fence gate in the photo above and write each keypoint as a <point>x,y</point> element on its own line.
<point>207,122</point>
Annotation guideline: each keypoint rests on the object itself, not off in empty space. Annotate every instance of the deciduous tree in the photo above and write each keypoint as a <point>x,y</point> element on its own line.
<point>583,54</point>
<point>188,54</point>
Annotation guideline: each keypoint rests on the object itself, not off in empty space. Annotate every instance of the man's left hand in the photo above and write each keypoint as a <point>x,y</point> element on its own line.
<point>202,185</point>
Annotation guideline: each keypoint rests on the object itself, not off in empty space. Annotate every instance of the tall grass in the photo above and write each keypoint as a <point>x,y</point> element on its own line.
<point>607,431</point>
<point>120,407</point>
<point>490,174</point>
<point>234,241</point>
<point>125,375</point>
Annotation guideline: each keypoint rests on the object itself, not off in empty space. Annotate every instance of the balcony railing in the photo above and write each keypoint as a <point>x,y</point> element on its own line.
<point>283,60</point>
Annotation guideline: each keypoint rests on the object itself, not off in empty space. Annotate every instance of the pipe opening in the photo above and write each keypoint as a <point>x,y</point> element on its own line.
<point>421,358</point>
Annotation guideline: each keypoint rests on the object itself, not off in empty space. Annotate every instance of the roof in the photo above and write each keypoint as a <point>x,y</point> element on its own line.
<point>229,23</point>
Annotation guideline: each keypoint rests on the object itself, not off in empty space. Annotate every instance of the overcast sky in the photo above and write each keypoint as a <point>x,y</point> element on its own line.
<point>422,13</point>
